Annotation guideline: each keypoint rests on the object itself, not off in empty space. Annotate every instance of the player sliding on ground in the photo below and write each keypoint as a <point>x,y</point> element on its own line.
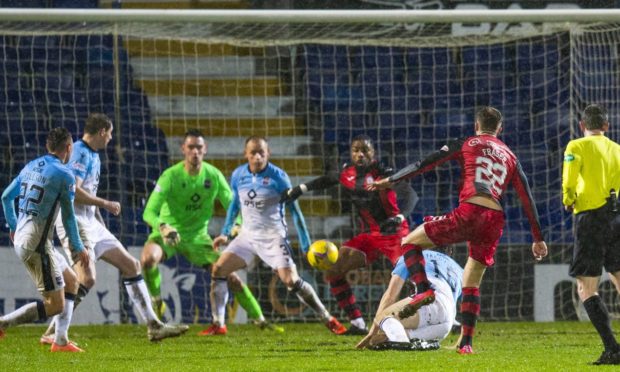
<point>256,188</point>
<point>430,324</point>
<point>382,223</point>
<point>99,241</point>
<point>42,186</point>
<point>488,166</point>
<point>179,210</point>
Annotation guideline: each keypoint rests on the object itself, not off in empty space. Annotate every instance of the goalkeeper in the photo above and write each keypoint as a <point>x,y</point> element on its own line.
<point>178,212</point>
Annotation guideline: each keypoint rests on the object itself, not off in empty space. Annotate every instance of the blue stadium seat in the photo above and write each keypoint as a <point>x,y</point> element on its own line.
<point>74,4</point>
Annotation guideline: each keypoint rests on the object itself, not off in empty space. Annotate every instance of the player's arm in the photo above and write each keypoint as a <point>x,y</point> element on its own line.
<point>70,223</point>
<point>153,206</point>
<point>319,183</point>
<point>519,182</point>
<point>84,197</point>
<point>8,204</point>
<point>448,152</point>
<point>571,169</point>
<point>231,215</point>
<point>390,296</point>
<point>300,225</point>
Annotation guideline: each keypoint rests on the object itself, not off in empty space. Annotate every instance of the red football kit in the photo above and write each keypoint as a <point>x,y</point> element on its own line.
<point>375,209</point>
<point>488,166</point>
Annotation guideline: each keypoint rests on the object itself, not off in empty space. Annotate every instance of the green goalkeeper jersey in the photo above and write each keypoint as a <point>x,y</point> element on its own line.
<point>187,202</point>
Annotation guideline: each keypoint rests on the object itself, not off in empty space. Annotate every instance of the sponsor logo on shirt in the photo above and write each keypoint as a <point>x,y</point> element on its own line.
<point>569,157</point>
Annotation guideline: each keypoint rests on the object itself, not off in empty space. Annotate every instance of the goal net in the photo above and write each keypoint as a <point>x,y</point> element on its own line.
<point>310,88</point>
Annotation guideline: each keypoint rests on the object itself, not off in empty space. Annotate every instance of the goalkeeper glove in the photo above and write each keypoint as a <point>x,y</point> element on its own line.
<point>391,225</point>
<point>170,234</point>
<point>290,195</point>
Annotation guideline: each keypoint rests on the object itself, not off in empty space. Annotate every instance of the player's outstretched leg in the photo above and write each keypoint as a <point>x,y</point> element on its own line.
<point>28,313</point>
<point>248,302</point>
<point>414,259</point>
<point>307,295</point>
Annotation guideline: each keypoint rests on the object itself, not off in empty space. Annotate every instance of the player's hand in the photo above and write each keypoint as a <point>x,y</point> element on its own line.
<point>112,207</point>
<point>365,342</point>
<point>290,195</point>
<point>170,234</point>
<point>84,258</point>
<point>12,236</point>
<point>539,249</point>
<point>379,185</point>
<point>391,225</point>
<point>220,240</point>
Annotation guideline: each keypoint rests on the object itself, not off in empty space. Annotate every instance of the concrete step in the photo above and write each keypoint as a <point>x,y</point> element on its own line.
<point>233,146</point>
<point>212,87</point>
<point>200,67</point>
<point>179,48</point>
<point>221,106</point>
<point>237,126</point>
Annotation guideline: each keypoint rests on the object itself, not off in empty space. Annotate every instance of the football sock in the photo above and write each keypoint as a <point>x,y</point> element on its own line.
<point>26,314</point>
<point>139,294</point>
<point>82,292</point>
<point>307,295</point>
<point>248,302</point>
<point>341,289</point>
<point>152,277</point>
<point>63,320</point>
<point>394,329</point>
<point>414,259</point>
<point>359,323</point>
<point>597,311</point>
<point>219,297</point>
<point>470,310</point>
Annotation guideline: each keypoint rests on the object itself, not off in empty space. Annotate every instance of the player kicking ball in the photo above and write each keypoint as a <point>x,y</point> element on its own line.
<point>430,324</point>
<point>256,188</point>
<point>42,186</point>
<point>85,165</point>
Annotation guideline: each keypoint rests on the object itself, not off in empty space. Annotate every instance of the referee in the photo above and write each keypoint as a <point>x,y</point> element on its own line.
<point>590,183</point>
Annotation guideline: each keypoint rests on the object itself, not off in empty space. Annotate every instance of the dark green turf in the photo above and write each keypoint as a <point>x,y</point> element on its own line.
<point>499,347</point>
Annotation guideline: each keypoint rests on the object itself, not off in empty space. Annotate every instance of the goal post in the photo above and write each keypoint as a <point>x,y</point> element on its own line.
<point>310,81</point>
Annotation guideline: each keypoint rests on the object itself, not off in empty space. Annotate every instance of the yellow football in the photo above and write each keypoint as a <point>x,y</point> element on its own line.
<point>322,254</point>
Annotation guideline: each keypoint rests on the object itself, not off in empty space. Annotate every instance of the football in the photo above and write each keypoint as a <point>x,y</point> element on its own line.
<point>322,254</point>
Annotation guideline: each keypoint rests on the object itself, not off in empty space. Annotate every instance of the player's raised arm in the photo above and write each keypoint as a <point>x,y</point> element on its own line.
<point>446,153</point>
<point>519,182</point>
<point>319,183</point>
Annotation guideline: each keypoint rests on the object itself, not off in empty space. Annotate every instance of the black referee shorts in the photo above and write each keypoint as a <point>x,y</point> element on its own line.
<point>597,243</point>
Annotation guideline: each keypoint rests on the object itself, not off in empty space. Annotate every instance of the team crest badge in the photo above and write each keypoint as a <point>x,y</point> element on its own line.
<point>207,184</point>
<point>266,181</point>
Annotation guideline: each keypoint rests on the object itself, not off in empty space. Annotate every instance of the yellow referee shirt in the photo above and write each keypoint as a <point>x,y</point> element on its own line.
<point>591,169</point>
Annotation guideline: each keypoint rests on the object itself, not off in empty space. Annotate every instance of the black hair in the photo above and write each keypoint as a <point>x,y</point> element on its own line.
<point>57,138</point>
<point>594,117</point>
<point>96,122</point>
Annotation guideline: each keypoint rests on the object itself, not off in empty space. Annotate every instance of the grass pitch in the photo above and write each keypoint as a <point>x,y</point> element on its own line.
<point>560,346</point>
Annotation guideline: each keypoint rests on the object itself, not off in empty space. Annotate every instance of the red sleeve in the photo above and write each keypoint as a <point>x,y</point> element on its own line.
<point>448,152</point>
<point>519,181</point>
